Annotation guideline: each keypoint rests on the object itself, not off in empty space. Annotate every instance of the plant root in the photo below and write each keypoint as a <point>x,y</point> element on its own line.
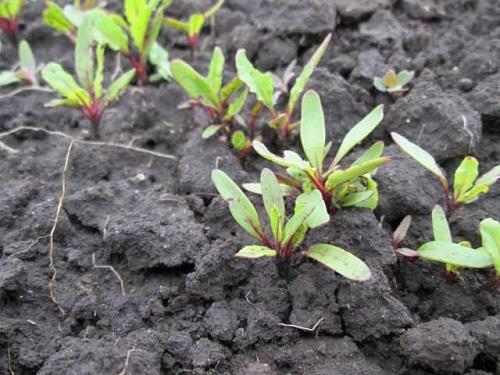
<point>112,269</point>
<point>52,266</point>
<point>127,360</point>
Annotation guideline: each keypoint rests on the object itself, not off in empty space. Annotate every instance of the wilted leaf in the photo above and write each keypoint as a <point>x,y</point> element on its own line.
<point>341,261</point>
<point>402,229</point>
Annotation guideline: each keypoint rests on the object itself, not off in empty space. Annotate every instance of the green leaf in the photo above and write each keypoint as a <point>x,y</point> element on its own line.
<point>65,84</point>
<point>26,58</point>
<point>295,223</point>
<point>354,199</point>
<point>195,85</point>
<point>450,253</point>
<point>290,158</point>
<point>153,31</point>
<point>230,88</point>
<point>404,77</point>
<point>99,74</point>
<point>402,229</point>
<point>305,75</point>
<point>312,130</point>
<point>338,177</point>
<point>195,23</point>
<point>261,84</point>
<point>255,251</point>
<point>216,69</point>
<point>239,140</point>
<point>236,105</point>
<point>374,152</point>
<point>474,193</point>
<point>273,201</point>
<point>109,32</point>
<point>371,186</point>
<point>118,87</point>
<point>241,208</point>
<point>158,56</point>
<point>210,131</point>
<point>359,132</point>
<point>138,13</point>
<point>8,78</point>
<point>490,177</point>
<point>213,9</point>
<point>84,59</point>
<point>490,234</point>
<point>465,175</point>
<point>421,156</point>
<point>341,261</point>
<point>379,84</point>
<point>54,16</point>
<point>314,199</point>
<point>256,188</point>
<point>176,24</point>
<point>440,227</point>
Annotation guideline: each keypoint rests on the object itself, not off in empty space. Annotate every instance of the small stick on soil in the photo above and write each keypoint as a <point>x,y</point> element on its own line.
<point>84,142</point>
<point>54,227</point>
<point>303,328</point>
<point>24,89</point>
<point>9,361</point>
<point>127,361</point>
<point>8,149</point>
<point>112,269</point>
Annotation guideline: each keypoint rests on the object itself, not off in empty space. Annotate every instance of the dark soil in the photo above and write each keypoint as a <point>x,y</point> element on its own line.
<point>190,306</point>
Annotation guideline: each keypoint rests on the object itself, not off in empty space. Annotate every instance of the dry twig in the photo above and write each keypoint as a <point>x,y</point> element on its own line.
<point>112,269</point>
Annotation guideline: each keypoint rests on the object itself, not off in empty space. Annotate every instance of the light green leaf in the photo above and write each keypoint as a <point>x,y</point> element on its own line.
<point>118,87</point>
<point>474,193</point>
<point>359,132</point>
<point>158,56</point>
<point>65,84</point>
<point>290,158</point>
<point>440,227</point>
<point>261,84</point>
<point>210,131</point>
<point>241,208</point>
<point>465,175</point>
<point>54,16</point>
<point>195,23</point>
<point>341,261</point>
<point>216,69</point>
<point>138,13</point>
<point>255,251</point>
<point>99,74</point>
<point>75,15</point>
<point>295,223</point>
<point>305,75</point>
<point>379,84</point>
<point>371,186</point>
<point>404,77</point>
<point>213,9</point>
<point>490,234</point>
<point>273,201</point>
<point>109,32</point>
<point>421,156</point>
<point>314,199</point>
<point>339,176</point>
<point>256,188</point>
<point>8,78</point>
<point>195,85</point>
<point>176,24</point>
<point>354,199</point>
<point>374,152</point>
<point>312,130</point>
<point>153,31</point>
<point>26,58</point>
<point>490,177</point>
<point>84,59</point>
<point>236,105</point>
<point>450,253</point>
<point>239,140</point>
<point>230,88</point>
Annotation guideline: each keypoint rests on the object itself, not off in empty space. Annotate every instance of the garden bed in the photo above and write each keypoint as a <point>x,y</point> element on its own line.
<point>187,305</point>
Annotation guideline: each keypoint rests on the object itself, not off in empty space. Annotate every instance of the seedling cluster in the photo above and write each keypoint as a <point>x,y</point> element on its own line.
<point>236,110</point>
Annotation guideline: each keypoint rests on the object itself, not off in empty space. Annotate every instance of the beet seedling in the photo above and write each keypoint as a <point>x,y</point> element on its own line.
<point>461,255</point>
<point>393,83</point>
<point>25,72</point>
<point>353,186</point>
<point>221,103</point>
<point>193,26</point>
<point>9,18</point>
<point>467,187</point>
<point>87,94</point>
<point>287,235</point>
<point>262,85</point>
<point>398,237</point>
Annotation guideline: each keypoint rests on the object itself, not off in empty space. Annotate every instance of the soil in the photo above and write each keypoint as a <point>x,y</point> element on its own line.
<point>189,306</point>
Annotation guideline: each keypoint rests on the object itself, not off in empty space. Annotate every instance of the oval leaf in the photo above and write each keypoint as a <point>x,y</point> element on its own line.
<point>341,261</point>
<point>440,227</point>
<point>312,129</point>
<point>255,251</point>
<point>456,255</point>
<point>490,234</point>
<point>261,84</point>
